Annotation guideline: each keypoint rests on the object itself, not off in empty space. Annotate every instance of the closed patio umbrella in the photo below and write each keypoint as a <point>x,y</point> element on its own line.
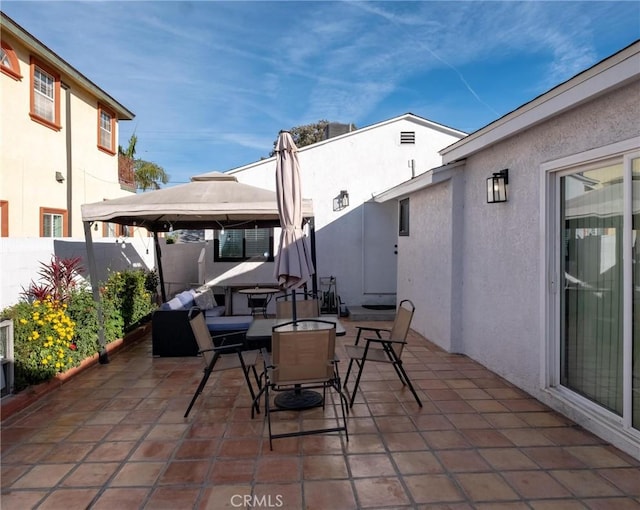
<point>294,265</point>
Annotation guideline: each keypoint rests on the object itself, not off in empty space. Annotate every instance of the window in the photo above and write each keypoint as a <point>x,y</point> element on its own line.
<point>53,222</point>
<point>106,130</point>
<point>9,62</point>
<point>4,218</point>
<point>407,137</point>
<point>115,230</point>
<point>243,244</point>
<point>403,217</point>
<point>45,95</point>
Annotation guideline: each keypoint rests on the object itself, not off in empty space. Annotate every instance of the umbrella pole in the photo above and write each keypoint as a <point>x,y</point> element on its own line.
<point>294,312</point>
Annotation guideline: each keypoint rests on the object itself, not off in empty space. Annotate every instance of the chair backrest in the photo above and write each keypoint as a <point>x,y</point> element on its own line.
<point>401,324</point>
<point>303,352</point>
<point>202,335</point>
<point>305,309</point>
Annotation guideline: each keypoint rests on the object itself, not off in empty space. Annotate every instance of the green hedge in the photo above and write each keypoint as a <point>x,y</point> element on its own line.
<point>51,336</point>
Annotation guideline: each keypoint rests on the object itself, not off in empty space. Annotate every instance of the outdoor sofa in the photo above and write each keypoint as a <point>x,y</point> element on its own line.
<point>171,333</point>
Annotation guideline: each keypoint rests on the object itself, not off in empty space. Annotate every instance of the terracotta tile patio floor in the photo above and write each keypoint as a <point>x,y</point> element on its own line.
<point>114,437</point>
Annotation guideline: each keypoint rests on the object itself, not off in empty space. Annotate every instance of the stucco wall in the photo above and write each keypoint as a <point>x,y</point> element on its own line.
<point>501,298</point>
<point>498,310</point>
<point>425,263</point>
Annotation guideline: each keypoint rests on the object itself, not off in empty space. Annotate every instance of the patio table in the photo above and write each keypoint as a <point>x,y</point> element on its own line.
<point>260,333</point>
<point>258,298</point>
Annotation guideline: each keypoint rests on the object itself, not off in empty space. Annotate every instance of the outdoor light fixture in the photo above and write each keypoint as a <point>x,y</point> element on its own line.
<point>341,201</point>
<point>59,177</point>
<point>497,187</point>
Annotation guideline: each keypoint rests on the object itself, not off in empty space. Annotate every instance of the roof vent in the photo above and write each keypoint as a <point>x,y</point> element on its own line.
<point>407,137</point>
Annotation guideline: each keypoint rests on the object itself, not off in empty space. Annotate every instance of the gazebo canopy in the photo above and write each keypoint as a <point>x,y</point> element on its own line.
<point>215,200</point>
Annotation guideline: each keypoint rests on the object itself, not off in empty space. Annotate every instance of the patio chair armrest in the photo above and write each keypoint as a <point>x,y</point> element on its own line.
<point>225,348</point>
<point>385,341</point>
<point>226,335</point>
<point>377,331</point>
<point>369,328</point>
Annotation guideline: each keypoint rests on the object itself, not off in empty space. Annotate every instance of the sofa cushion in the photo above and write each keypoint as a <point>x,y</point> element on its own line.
<point>216,311</point>
<point>172,304</point>
<point>205,300</point>
<point>186,298</point>
<point>229,323</point>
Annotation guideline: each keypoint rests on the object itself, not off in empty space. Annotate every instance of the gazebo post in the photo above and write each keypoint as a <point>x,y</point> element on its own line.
<point>103,356</point>
<point>156,242</point>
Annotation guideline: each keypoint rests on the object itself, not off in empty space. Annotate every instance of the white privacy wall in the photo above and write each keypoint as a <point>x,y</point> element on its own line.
<point>21,258</point>
<point>364,162</point>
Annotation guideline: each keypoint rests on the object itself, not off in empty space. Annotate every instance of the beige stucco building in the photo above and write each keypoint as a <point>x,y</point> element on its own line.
<point>59,138</point>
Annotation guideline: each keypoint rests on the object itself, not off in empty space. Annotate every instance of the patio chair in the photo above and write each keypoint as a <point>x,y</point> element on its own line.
<point>224,357</point>
<point>307,306</point>
<point>303,359</point>
<point>383,350</point>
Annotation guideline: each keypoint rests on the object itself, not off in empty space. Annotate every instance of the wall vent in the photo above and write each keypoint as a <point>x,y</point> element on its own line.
<point>407,137</point>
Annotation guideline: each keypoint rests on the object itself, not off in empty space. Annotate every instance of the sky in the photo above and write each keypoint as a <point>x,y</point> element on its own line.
<point>212,83</point>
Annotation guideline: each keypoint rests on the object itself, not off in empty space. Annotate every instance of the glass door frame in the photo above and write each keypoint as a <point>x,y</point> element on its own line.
<point>550,278</point>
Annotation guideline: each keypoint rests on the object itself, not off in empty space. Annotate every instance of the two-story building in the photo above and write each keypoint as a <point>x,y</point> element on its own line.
<point>59,138</point>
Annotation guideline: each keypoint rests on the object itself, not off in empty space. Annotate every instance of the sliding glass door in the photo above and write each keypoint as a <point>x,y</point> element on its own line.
<point>635,257</point>
<point>599,294</point>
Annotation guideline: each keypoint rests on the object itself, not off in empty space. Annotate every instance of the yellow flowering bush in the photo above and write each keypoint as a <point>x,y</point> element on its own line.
<point>44,343</point>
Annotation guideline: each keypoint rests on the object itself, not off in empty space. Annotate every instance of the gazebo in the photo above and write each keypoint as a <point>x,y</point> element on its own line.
<point>216,200</point>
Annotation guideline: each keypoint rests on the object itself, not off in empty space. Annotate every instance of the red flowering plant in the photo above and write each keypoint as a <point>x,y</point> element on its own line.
<point>44,331</point>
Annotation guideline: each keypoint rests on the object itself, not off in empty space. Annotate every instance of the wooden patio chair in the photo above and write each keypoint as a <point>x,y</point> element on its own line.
<point>303,359</point>
<point>383,349</point>
<point>222,358</point>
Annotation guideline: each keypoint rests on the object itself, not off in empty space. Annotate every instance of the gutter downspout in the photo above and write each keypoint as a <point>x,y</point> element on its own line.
<point>69,158</point>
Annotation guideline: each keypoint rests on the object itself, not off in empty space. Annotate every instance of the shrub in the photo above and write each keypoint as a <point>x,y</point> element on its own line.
<point>57,280</point>
<point>44,340</point>
<point>126,292</point>
<point>51,336</point>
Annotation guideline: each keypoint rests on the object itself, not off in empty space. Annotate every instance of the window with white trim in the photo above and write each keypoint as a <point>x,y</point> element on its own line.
<point>52,223</point>
<point>106,129</point>
<point>4,59</point>
<point>9,64</point>
<point>43,95</point>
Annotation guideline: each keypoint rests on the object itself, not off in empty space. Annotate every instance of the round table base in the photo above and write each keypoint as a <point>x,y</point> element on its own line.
<point>294,399</point>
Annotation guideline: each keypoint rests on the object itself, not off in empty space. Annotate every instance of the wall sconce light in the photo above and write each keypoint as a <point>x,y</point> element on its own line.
<point>341,201</point>
<point>497,187</point>
<point>59,177</point>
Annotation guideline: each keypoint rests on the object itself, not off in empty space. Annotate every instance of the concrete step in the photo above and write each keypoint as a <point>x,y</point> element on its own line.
<point>360,313</point>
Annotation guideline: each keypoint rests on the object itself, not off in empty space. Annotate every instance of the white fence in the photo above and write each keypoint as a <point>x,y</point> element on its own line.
<point>21,258</point>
